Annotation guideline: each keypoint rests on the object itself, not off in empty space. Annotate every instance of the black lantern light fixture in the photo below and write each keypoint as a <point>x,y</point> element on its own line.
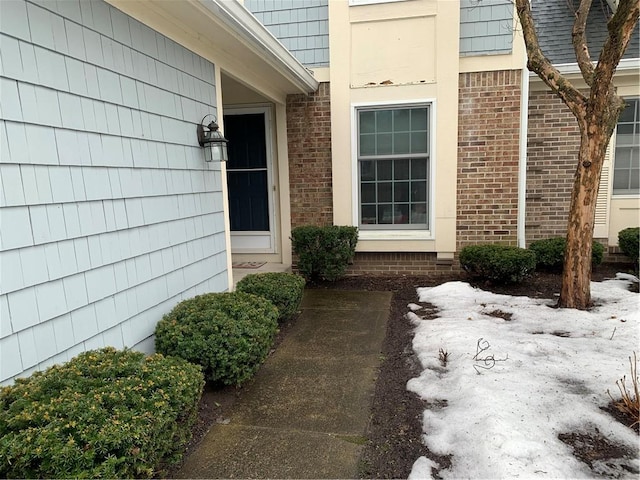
<point>215,145</point>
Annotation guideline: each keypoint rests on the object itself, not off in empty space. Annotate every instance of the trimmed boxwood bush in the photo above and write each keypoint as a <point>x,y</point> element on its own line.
<point>550,253</point>
<point>228,334</point>
<point>499,263</point>
<point>282,289</point>
<point>324,252</point>
<point>629,243</point>
<point>104,414</point>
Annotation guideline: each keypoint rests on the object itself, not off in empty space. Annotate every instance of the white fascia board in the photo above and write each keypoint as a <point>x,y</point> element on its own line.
<point>626,64</point>
<point>240,20</point>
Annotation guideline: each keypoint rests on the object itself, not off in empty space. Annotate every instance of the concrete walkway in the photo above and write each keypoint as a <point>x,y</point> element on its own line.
<point>306,412</point>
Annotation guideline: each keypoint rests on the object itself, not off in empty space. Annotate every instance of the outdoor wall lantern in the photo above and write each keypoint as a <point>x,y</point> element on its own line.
<point>215,145</point>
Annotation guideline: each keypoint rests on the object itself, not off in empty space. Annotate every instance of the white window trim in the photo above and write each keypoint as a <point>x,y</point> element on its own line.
<point>355,3</point>
<point>391,234</point>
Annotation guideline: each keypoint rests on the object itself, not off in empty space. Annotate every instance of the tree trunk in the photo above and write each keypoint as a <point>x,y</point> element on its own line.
<point>576,273</point>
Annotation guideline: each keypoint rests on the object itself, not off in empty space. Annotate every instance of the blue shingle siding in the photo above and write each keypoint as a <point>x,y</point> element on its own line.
<point>301,25</point>
<point>486,27</point>
<point>554,22</point>
<point>109,213</point>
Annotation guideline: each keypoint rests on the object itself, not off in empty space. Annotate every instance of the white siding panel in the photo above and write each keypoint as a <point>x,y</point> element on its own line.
<point>105,199</point>
<point>10,359</point>
<point>5,317</point>
<point>14,20</point>
<point>11,109</point>
<point>75,291</point>
<point>19,235</point>
<point>23,308</point>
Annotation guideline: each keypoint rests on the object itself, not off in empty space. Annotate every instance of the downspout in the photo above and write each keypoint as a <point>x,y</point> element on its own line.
<point>522,161</point>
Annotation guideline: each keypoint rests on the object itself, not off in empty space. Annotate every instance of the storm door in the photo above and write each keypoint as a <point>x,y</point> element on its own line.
<point>249,180</point>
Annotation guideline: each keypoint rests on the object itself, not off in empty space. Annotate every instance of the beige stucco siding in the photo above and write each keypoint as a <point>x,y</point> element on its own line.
<point>389,54</point>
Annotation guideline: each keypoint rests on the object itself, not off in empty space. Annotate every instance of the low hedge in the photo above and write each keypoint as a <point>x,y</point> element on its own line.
<point>324,252</point>
<point>228,334</point>
<point>499,263</point>
<point>104,414</point>
<point>629,243</point>
<point>282,289</point>
<point>550,253</point>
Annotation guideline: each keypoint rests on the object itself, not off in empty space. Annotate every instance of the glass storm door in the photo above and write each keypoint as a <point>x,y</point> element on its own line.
<point>248,180</point>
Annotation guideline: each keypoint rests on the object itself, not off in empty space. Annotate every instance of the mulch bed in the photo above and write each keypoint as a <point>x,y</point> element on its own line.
<point>394,436</point>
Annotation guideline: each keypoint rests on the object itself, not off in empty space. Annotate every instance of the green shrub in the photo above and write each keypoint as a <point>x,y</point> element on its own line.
<point>228,334</point>
<point>324,252</point>
<point>629,243</point>
<point>104,414</point>
<point>550,253</point>
<point>499,263</point>
<point>282,289</point>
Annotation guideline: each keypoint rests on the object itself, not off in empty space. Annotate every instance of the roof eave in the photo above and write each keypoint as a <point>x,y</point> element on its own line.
<point>236,17</point>
<point>626,64</point>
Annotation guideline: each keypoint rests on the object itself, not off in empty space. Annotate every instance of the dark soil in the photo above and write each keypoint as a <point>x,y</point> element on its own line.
<point>394,436</point>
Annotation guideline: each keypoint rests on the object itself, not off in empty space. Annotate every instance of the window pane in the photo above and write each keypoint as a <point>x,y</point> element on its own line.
<point>621,180</point>
<point>418,119</point>
<point>367,144</point>
<point>385,213</point>
<point>419,213</point>
<point>384,121</point>
<point>401,120</point>
<point>368,193</point>
<point>368,213</point>
<point>623,158</point>
<point>384,144</point>
<point>419,142</point>
<point>401,192</point>
<point>628,113</point>
<point>384,169</point>
<point>401,214</point>
<point>625,129</point>
<point>401,170</point>
<point>635,158</point>
<point>634,183</point>
<point>418,191</point>
<point>400,143</point>
<point>368,170</point>
<point>418,169</point>
<point>384,192</point>
<point>367,122</point>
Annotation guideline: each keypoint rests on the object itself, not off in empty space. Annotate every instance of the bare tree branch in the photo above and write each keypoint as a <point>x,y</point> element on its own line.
<point>620,29</point>
<point>538,63</point>
<point>579,40</point>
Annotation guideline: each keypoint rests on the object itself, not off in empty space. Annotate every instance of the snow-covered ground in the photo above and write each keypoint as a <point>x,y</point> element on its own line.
<point>510,387</point>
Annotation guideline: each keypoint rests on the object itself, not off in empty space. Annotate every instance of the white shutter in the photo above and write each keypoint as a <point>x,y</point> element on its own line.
<point>601,221</point>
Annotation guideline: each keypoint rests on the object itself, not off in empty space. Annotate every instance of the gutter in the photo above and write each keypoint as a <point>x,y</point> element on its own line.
<point>522,160</point>
<point>626,64</point>
<point>238,19</point>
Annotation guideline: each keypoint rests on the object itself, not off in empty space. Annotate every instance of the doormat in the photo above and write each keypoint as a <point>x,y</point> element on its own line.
<point>248,264</point>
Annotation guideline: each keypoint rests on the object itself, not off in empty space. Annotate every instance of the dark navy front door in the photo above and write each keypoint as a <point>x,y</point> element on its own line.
<point>247,173</point>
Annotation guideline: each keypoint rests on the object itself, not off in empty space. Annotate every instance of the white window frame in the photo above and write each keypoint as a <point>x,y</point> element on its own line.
<point>395,234</point>
<point>613,169</point>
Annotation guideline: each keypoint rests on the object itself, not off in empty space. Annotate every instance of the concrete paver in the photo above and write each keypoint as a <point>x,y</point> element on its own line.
<point>305,413</point>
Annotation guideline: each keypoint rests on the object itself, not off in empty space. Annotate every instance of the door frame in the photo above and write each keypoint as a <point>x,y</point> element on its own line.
<point>267,110</point>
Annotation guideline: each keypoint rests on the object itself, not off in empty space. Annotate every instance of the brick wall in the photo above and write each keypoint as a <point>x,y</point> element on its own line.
<point>552,155</point>
<point>488,151</point>
<point>309,133</point>
<point>399,263</point>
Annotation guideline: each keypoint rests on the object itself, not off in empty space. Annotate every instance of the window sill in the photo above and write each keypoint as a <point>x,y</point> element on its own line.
<point>391,235</point>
